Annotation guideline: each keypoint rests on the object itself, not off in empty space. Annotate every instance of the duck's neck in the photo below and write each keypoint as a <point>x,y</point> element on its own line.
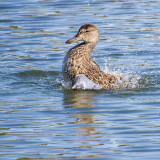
<point>90,45</point>
<point>84,48</point>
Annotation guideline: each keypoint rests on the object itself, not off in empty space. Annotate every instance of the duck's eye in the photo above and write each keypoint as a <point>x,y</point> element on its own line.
<point>86,30</point>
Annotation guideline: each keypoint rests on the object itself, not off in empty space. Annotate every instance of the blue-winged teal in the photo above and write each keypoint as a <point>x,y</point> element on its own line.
<point>78,59</point>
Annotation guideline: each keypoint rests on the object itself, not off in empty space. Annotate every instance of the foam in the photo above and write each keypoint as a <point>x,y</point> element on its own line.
<point>125,79</point>
<point>82,82</point>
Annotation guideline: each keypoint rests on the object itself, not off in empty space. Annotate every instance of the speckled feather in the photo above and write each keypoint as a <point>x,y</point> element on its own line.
<point>78,59</point>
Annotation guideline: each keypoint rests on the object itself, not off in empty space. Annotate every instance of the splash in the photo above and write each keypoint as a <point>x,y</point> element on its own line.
<point>82,82</point>
<point>124,80</point>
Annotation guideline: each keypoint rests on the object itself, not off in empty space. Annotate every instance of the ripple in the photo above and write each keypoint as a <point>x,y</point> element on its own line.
<point>37,73</point>
<point>42,120</point>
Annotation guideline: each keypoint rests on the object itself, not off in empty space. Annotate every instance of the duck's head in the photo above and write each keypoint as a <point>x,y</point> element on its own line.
<point>87,33</point>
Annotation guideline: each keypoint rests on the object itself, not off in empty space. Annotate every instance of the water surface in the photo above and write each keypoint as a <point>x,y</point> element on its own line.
<point>40,119</point>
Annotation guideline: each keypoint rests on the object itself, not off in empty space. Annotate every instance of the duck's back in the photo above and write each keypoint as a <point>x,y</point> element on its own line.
<point>94,73</point>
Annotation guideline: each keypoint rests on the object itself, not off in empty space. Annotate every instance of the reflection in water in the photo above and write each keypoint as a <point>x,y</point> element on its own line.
<point>77,98</point>
<point>82,102</point>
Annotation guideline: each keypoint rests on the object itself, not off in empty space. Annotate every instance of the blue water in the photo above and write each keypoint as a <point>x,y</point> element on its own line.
<point>41,119</point>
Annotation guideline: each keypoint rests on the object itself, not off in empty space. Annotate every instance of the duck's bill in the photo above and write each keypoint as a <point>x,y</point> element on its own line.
<point>74,39</point>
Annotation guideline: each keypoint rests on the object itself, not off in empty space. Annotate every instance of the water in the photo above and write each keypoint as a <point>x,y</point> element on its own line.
<point>40,119</point>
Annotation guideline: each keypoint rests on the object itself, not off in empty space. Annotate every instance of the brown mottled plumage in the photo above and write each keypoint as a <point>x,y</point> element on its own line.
<point>78,59</point>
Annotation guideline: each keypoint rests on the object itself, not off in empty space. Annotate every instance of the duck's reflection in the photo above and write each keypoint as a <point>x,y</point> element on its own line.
<point>82,105</point>
<point>78,98</point>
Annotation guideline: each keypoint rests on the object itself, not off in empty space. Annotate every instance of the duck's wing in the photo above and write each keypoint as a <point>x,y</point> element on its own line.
<point>95,74</point>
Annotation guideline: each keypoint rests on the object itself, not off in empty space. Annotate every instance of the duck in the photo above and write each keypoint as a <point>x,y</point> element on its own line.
<point>78,59</point>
